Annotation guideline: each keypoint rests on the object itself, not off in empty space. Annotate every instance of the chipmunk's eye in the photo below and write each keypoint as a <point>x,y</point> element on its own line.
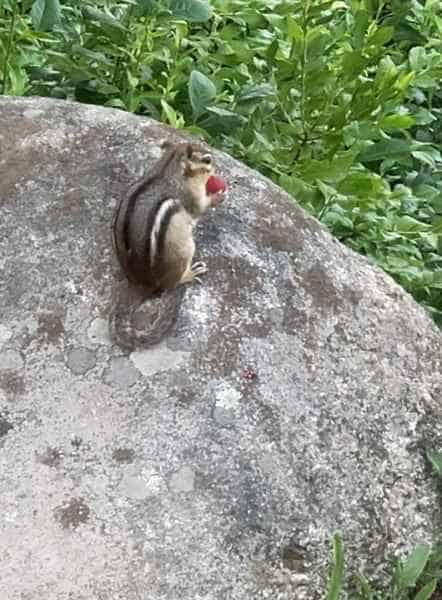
<point>206,158</point>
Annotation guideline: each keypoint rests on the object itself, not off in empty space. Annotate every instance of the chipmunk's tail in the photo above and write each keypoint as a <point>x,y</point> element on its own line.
<point>137,321</point>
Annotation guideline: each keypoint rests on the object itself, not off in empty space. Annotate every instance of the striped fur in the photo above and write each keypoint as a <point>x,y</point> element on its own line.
<point>152,236</point>
<point>162,217</point>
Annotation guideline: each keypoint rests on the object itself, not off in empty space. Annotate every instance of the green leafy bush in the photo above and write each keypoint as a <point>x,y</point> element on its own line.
<point>337,101</point>
<point>416,577</point>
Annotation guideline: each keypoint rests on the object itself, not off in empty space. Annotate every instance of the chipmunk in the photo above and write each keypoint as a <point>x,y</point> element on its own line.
<point>153,240</point>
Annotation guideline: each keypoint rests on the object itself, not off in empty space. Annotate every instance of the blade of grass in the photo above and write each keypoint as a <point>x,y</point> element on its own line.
<point>427,591</point>
<point>337,574</point>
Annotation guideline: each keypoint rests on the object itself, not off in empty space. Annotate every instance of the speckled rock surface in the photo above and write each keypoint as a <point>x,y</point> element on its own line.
<point>295,395</point>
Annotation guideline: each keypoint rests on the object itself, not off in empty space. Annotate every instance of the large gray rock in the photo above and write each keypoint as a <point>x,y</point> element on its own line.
<point>295,395</point>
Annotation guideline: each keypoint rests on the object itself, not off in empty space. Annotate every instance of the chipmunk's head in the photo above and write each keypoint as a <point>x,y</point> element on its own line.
<point>203,187</point>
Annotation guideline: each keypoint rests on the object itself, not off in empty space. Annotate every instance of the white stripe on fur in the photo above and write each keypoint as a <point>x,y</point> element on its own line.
<point>156,228</point>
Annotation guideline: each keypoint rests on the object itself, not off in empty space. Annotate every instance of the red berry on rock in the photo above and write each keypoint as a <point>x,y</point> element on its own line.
<point>249,374</point>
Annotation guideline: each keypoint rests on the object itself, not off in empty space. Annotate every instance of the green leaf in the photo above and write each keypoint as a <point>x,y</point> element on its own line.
<point>411,568</point>
<point>424,157</point>
<point>417,58</point>
<point>334,216</point>
<point>407,224</point>
<point>337,574</point>
<point>45,14</point>
<point>385,149</point>
<point>224,113</point>
<point>404,81</point>
<point>201,92</point>
<point>436,280</point>
<point>397,122</point>
<point>294,30</point>
<point>104,18</point>
<point>363,184</point>
<point>333,170</point>
<point>174,118</point>
<point>353,64</point>
<point>366,591</point>
<point>8,4</point>
<point>327,191</point>
<point>221,120</point>
<point>316,41</point>
<point>360,28</point>
<point>197,11</point>
<point>253,92</point>
<point>386,74</point>
<point>424,117</point>
<point>272,50</point>
<point>116,103</point>
<point>381,36</point>
<point>146,7</point>
<point>18,80</point>
<point>303,192</point>
<point>98,57</point>
<point>427,591</point>
<point>435,459</point>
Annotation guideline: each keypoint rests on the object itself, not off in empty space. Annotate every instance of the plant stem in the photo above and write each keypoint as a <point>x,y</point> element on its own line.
<point>305,136</point>
<point>303,65</point>
<point>141,49</point>
<point>9,46</point>
<point>117,68</point>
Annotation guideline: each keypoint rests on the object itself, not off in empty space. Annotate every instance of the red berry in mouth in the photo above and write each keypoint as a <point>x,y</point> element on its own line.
<point>215,184</point>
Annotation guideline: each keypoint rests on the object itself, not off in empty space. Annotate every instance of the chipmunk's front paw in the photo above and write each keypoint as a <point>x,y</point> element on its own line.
<point>199,268</point>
